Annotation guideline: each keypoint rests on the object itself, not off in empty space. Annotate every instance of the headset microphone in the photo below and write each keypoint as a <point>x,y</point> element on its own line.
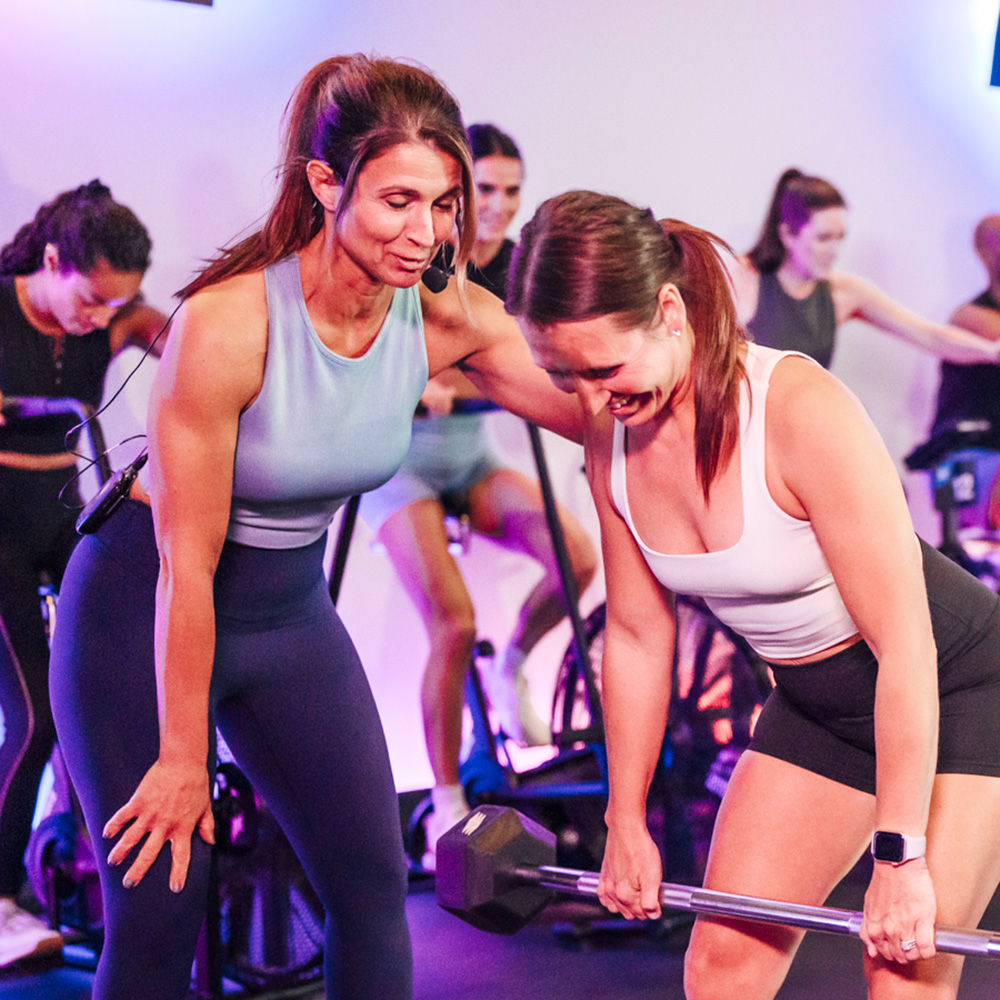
<point>435,279</point>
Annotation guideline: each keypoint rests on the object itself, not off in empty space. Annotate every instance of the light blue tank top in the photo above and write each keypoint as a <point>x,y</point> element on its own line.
<point>773,586</point>
<point>323,427</point>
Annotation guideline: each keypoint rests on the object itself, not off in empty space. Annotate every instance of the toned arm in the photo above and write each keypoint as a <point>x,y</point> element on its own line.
<point>636,675</point>
<point>488,346</point>
<point>826,462</point>
<point>854,297</point>
<point>211,370</point>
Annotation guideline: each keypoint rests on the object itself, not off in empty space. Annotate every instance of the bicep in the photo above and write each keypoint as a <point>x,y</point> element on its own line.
<point>856,298</point>
<point>640,611</point>
<point>202,384</point>
<point>488,347</point>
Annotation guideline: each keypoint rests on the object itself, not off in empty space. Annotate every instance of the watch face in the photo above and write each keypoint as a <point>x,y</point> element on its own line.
<point>888,847</point>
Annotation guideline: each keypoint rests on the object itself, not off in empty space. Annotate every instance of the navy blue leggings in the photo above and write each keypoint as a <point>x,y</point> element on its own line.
<point>293,703</point>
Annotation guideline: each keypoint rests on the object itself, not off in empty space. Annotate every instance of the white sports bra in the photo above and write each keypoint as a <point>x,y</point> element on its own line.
<point>773,586</point>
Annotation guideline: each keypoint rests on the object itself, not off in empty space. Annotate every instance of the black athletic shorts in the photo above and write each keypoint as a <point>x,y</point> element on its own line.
<point>821,715</point>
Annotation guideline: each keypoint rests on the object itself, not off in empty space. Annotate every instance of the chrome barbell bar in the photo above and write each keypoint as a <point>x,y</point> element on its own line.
<point>985,944</point>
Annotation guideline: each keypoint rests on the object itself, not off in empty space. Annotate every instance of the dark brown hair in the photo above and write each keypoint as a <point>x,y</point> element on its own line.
<point>488,140</point>
<point>796,196</point>
<point>85,225</point>
<point>585,255</point>
<point>346,111</point>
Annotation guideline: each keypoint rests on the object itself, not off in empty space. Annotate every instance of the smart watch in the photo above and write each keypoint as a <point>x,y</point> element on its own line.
<point>895,848</point>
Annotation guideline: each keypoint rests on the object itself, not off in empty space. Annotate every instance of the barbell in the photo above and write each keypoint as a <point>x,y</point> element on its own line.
<point>496,870</point>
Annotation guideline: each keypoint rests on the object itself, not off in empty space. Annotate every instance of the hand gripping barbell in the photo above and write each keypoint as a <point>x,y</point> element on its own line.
<point>495,870</point>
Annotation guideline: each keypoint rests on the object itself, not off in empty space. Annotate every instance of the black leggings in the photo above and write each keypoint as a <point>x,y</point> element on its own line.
<point>293,703</point>
<point>36,536</point>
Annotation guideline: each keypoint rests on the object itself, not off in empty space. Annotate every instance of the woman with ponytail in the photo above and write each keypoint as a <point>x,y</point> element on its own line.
<point>289,385</point>
<point>752,478</point>
<point>69,300</point>
<point>789,296</point>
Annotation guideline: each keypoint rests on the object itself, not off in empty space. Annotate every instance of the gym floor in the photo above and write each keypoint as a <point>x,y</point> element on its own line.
<point>453,961</point>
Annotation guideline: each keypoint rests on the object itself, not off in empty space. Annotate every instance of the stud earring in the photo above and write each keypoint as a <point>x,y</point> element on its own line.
<point>676,333</point>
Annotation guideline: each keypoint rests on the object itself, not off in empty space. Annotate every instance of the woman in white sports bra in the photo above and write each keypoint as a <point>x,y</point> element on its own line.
<point>754,479</point>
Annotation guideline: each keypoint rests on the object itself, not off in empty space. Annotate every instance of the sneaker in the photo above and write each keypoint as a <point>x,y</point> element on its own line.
<point>510,697</point>
<point>435,826</point>
<point>23,935</point>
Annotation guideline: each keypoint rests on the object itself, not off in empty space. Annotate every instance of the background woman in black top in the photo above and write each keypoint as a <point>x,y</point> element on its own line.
<point>69,300</point>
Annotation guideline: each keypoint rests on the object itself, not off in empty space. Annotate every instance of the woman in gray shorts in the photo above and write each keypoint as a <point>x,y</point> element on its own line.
<point>450,454</point>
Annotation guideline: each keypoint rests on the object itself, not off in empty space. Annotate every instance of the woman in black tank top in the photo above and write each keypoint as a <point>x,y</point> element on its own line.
<point>69,284</point>
<point>790,297</point>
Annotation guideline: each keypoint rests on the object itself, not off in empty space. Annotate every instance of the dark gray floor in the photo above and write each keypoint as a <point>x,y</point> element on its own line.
<point>453,961</point>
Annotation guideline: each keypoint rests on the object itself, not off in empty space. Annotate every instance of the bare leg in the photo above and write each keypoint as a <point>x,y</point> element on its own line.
<point>508,507</point>
<point>417,543</point>
<point>964,861</point>
<point>783,833</point>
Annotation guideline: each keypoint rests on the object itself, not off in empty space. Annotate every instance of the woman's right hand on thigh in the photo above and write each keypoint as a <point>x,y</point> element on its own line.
<point>169,804</point>
<point>631,875</point>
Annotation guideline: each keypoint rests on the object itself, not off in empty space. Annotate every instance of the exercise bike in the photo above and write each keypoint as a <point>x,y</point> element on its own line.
<point>963,457</point>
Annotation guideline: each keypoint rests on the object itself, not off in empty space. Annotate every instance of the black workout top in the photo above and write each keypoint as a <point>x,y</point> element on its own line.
<point>969,392</point>
<point>807,325</point>
<point>29,366</point>
<point>492,277</point>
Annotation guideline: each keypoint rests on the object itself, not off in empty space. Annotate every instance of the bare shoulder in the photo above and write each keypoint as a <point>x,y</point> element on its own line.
<point>816,429</point>
<point>220,337</point>
<point>801,389</point>
<point>237,303</point>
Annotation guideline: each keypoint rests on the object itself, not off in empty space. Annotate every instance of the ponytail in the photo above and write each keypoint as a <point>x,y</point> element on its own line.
<point>796,196</point>
<point>718,365</point>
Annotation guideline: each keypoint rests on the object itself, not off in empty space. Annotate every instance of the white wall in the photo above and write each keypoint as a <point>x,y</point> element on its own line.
<point>692,108</point>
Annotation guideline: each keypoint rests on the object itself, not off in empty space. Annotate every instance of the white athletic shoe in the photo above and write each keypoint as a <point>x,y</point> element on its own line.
<point>435,826</point>
<point>510,697</point>
<point>23,935</point>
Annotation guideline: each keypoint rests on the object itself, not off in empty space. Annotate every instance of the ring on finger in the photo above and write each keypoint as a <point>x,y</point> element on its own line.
<point>908,945</point>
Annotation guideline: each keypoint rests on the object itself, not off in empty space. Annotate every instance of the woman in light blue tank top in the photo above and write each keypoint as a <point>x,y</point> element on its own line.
<point>288,385</point>
<point>754,479</point>
<point>790,297</point>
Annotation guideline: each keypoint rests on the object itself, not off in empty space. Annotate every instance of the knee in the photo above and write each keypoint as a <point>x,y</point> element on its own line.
<point>701,979</point>
<point>719,966</point>
<point>452,630</point>
<point>707,974</point>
